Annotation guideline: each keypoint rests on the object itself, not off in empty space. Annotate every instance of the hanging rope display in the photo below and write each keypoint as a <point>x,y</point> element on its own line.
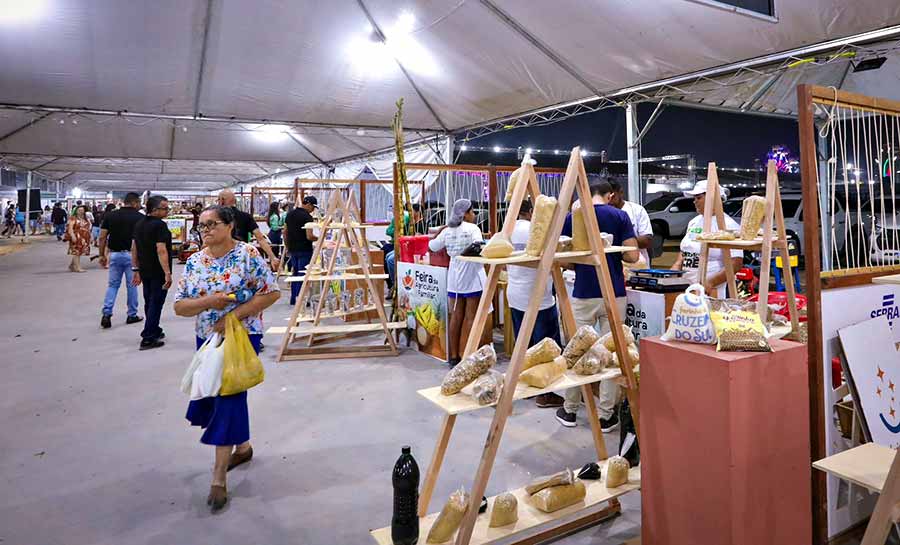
<point>860,208</point>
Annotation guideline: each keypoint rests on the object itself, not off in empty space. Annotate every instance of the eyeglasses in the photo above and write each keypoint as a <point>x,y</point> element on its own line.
<point>208,226</point>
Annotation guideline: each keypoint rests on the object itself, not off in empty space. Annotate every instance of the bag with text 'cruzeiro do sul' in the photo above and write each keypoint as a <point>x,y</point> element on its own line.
<point>690,320</point>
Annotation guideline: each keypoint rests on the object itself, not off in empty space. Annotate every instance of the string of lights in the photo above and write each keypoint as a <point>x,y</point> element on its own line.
<point>599,154</point>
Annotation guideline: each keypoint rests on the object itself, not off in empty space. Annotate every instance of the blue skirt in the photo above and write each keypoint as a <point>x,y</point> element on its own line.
<point>226,419</point>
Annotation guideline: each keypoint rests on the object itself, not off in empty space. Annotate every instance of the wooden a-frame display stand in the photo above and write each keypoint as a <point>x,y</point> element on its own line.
<point>773,213</point>
<point>340,220</point>
<point>538,525</point>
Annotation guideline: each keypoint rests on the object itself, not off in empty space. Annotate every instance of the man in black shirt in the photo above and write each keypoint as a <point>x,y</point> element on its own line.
<point>298,239</point>
<point>59,217</point>
<point>245,225</point>
<point>116,231</point>
<point>151,262</point>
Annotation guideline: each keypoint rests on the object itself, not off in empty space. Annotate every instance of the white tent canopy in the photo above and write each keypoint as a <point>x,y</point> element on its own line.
<point>209,93</point>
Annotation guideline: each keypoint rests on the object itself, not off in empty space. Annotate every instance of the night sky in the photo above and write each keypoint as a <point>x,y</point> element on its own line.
<point>731,140</point>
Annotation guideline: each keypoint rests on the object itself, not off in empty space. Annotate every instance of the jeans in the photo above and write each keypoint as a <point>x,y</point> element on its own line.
<point>298,262</point>
<point>589,312</point>
<point>59,229</point>
<point>546,325</point>
<point>154,298</point>
<point>275,239</point>
<point>120,265</point>
<point>389,262</point>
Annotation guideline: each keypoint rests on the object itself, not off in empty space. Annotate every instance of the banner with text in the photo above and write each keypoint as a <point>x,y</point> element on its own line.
<point>423,296</point>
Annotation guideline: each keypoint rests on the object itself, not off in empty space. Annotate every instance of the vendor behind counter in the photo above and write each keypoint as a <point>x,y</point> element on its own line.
<point>688,259</point>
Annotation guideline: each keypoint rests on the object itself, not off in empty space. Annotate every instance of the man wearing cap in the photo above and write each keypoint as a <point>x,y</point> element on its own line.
<point>245,225</point>
<point>298,239</point>
<point>689,258</point>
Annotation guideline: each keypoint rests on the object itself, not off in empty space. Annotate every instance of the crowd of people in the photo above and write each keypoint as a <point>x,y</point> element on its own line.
<point>228,274</point>
<point>629,225</point>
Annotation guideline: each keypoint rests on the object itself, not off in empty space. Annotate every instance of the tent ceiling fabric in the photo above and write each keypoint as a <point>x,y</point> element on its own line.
<point>310,62</point>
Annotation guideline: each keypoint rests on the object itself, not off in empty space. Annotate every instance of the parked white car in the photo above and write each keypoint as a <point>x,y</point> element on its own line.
<point>884,240</point>
<point>670,213</point>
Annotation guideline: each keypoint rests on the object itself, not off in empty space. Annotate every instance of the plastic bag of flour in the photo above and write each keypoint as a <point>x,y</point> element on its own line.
<point>690,320</point>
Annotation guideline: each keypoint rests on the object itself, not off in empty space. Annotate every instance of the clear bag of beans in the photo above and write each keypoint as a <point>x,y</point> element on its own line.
<point>541,219</point>
<point>584,337</point>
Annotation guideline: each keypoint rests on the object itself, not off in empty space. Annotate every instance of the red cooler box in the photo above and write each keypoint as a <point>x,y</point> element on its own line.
<point>412,247</point>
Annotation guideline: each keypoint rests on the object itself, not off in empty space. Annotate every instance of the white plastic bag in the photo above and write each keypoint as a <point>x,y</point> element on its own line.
<point>690,320</point>
<point>203,377</point>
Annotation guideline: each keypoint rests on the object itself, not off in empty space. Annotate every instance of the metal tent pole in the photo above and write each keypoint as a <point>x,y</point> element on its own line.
<point>635,194</point>
<point>27,206</point>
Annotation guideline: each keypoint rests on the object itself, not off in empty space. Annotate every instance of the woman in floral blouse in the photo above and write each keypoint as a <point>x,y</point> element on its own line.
<point>225,276</point>
<point>79,230</point>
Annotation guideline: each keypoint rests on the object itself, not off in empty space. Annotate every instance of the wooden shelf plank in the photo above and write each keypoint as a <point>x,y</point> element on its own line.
<point>738,244</point>
<point>460,403</point>
<point>529,516</point>
<point>520,258</point>
<point>334,277</point>
<point>889,279</point>
<point>335,328</point>
<point>333,314</point>
<point>352,225</point>
<point>866,465</point>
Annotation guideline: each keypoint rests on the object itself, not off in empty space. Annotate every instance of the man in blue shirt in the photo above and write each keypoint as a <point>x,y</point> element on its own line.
<point>587,300</point>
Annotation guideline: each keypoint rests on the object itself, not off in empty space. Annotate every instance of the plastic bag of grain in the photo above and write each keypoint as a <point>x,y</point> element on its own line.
<point>565,476</point>
<point>633,355</point>
<point>690,321</point>
<point>753,213</point>
<point>511,186</point>
<point>450,517</point>
<point>505,510</point>
<point>616,471</point>
<point>738,326</point>
<point>555,498</point>
<point>610,342</point>
<point>594,360</point>
<point>470,368</point>
<point>544,351</point>
<point>499,246</point>
<point>545,374</point>
<point>579,231</point>
<point>541,219</point>
<point>584,337</point>
<point>487,388</point>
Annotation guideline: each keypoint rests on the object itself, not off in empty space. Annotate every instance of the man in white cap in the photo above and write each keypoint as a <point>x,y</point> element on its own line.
<point>689,258</point>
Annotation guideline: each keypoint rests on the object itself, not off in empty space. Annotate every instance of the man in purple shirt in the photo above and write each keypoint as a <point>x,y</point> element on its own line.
<point>587,300</point>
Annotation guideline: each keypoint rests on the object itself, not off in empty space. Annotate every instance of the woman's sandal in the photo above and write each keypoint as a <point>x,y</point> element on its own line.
<point>217,498</point>
<point>238,458</point>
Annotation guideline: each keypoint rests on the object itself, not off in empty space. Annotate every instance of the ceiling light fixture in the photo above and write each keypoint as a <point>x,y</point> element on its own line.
<point>272,133</point>
<point>19,11</point>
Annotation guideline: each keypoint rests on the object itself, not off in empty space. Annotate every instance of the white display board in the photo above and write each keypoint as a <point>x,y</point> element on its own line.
<point>875,367</point>
<point>645,313</point>
<point>841,308</point>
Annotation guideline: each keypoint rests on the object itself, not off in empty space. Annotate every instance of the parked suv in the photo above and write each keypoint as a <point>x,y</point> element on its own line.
<point>670,213</point>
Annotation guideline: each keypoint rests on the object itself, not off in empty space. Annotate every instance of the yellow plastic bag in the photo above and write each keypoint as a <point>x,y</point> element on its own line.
<point>241,369</point>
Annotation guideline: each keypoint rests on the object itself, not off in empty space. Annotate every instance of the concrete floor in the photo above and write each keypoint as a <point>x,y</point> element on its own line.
<point>94,448</point>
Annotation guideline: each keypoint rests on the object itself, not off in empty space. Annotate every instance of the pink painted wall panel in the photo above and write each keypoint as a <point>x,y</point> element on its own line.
<point>724,445</point>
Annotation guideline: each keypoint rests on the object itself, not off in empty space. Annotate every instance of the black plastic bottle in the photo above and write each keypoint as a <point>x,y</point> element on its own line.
<point>405,522</point>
